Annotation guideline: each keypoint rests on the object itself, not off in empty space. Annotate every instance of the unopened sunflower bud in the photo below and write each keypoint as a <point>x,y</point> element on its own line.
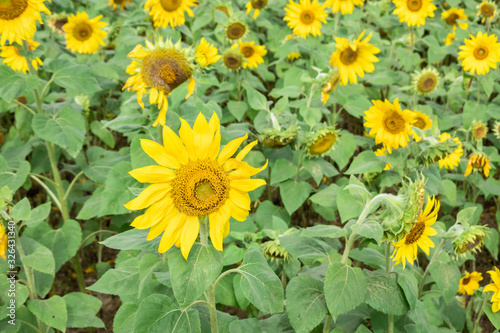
<point>470,239</point>
<point>321,141</point>
<point>275,139</point>
<point>274,251</point>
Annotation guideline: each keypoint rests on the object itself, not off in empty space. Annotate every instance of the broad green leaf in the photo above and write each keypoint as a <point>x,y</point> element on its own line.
<point>345,146</point>
<point>266,210</point>
<point>224,293</point>
<point>323,230</point>
<point>75,78</point>
<point>305,247</point>
<point>294,194</point>
<point>21,210</point>
<point>133,239</point>
<point>124,318</point>
<point>282,170</point>
<point>38,214</point>
<point>492,242</point>
<point>238,292</point>
<point>116,192</point>
<point>450,190</point>
<point>349,206</point>
<point>51,311</point>
<point>420,316</point>
<point>232,254</point>
<point>14,84</point>
<point>11,177</point>
<point>327,197</point>
<point>365,162</point>
<point>494,317</point>
<point>124,280</point>
<point>148,265</point>
<point>37,256</point>
<point>256,100</point>
<point>82,309</point>
<point>237,109</point>
<point>369,229</point>
<point>102,133</point>
<point>465,215</point>
<point>447,277</point>
<point>409,283</point>
<point>368,256</point>
<point>384,294</point>
<point>249,325</point>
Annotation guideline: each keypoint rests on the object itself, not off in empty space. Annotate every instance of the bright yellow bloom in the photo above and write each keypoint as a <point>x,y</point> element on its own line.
<point>252,54</point>
<point>414,12</point>
<point>293,56</point>
<point>165,12</point>
<point>330,86</point>
<point>383,152</point>
<point>406,248</point>
<point>488,10</point>
<point>345,6</point>
<point>3,242</point>
<point>119,3</point>
<point>479,130</point>
<point>425,81</point>
<point>453,15</point>
<point>18,19</point>
<point>480,53</point>
<point>495,287</point>
<point>321,141</point>
<point>258,5</point>
<point>449,38</point>
<point>354,58</point>
<point>389,125</point>
<point>193,180</point>
<point>84,35</point>
<point>158,69</point>
<point>305,17</point>
<point>422,121</point>
<point>469,283</point>
<point>451,160</point>
<point>479,162</point>
<point>16,61</point>
<point>206,53</point>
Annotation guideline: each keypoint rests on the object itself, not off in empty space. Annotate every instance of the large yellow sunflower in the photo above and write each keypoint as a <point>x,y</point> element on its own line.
<point>469,283</point>
<point>305,17</point>
<point>495,287</point>
<point>252,54</point>
<point>165,12</point>
<point>414,12</point>
<point>84,35</point>
<point>16,61</point>
<point>422,121</point>
<point>406,248</point>
<point>257,5</point>
<point>354,58</point>
<point>345,6</point>
<point>193,180</point>
<point>158,69</point>
<point>206,53</point>
<point>119,3</point>
<point>389,125</point>
<point>18,19</point>
<point>451,160</point>
<point>478,162</point>
<point>453,15</point>
<point>480,53</point>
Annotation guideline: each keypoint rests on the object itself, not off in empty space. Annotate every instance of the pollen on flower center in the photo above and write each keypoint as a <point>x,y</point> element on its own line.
<point>487,10</point>
<point>414,5</point>
<point>232,60</point>
<point>259,4</point>
<point>236,30</point>
<point>247,51</point>
<point>480,52</point>
<point>165,70</point>
<point>466,281</point>
<point>420,123</point>
<point>307,17</point>
<point>452,19</point>
<point>82,32</point>
<point>428,84</point>
<point>11,9</point>
<point>170,5</point>
<point>348,56</point>
<point>394,123</point>
<point>415,233</point>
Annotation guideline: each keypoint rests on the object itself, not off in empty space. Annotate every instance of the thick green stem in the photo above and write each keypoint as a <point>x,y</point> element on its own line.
<point>328,321</point>
<point>388,269</point>
<point>204,231</point>
<point>434,256</point>
<point>480,314</point>
<point>213,310</point>
<point>352,238</point>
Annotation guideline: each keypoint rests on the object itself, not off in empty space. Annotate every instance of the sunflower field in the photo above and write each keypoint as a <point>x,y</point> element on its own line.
<point>253,166</point>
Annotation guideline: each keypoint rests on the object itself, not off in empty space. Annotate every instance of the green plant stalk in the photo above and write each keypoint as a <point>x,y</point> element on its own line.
<point>210,294</point>
<point>479,315</point>
<point>388,269</point>
<point>352,238</point>
<point>434,256</point>
<point>478,90</point>
<point>328,321</point>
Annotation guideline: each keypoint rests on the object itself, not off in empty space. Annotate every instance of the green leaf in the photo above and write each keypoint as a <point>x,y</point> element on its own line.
<point>305,247</point>
<point>124,318</point>
<point>237,109</point>
<point>133,239</point>
<point>494,317</point>
<point>148,265</point>
<point>306,305</point>
<point>232,254</point>
<point>124,280</point>
<point>420,317</point>
<point>348,206</point>
<point>294,194</point>
<point>447,277</point>
<point>82,309</point>
<point>492,243</point>
<point>345,288</point>
<point>409,283</point>
<point>465,215</point>
<point>21,210</point>
<point>224,293</point>
<point>282,170</point>
<point>38,214</point>
<point>13,180</point>
<point>365,162</point>
<point>323,230</point>
<point>66,129</point>
<point>76,79</point>
<point>369,229</point>
<point>116,192</point>
<point>256,100</point>
<point>102,133</point>
<point>249,325</point>
<point>384,294</point>
<point>37,256</point>
<point>15,84</point>
<point>327,197</point>
<point>51,311</point>
<point>238,292</point>
<point>450,190</point>
<point>345,146</point>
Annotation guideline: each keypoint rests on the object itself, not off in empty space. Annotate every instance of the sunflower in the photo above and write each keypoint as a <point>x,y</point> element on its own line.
<point>451,160</point>
<point>469,283</point>
<point>389,125</point>
<point>236,30</point>
<point>252,54</point>
<point>488,10</point>
<point>305,17</point>
<point>414,12</point>
<point>495,287</point>
<point>16,61</point>
<point>478,162</point>
<point>480,53</point>
<point>425,81</point>
<point>453,15</point>
<point>18,19</point>
<point>479,130</point>
<point>257,5</point>
<point>84,35</point>
<point>449,38</point>
<point>383,152</point>
<point>233,60</point>
<point>470,239</point>
<point>119,3</point>
<point>407,247</point>
<point>330,85</point>
<point>422,121</point>
<point>293,56</point>
<point>57,22</point>
<point>496,129</point>
<point>161,68</point>
<point>345,6</point>
<point>193,180</point>
<point>321,141</point>
<point>165,12</point>
<point>3,242</point>
<point>354,58</point>
<point>206,53</point>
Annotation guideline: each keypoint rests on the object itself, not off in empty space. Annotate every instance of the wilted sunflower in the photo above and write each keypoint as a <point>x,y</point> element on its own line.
<point>478,162</point>
<point>233,60</point>
<point>422,121</point>
<point>451,160</point>
<point>449,38</point>
<point>18,19</point>
<point>469,283</point>
<point>236,30</point>
<point>252,53</point>
<point>479,130</point>
<point>406,248</point>
<point>345,6</point>
<point>3,242</point>
<point>453,15</point>
<point>305,17</point>
<point>160,67</point>
<point>321,141</point>
<point>495,287</point>
<point>480,53</point>
<point>414,12</point>
<point>193,180</point>
<point>389,125</point>
<point>470,239</point>
<point>257,5</point>
<point>383,152</point>
<point>330,85</point>
<point>16,61</point>
<point>206,53</point>
<point>119,3</point>
<point>84,35</point>
<point>165,12</point>
<point>488,10</point>
<point>425,81</point>
<point>275,139</point>
<point>354,58</point>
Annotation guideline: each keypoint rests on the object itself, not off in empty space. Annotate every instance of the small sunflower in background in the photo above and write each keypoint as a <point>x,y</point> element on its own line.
<point>207,54</point>
<point>16,61</point>
<point>383,152</point>
<point>345,6</point>
<point>256,5</point>
<point>193,180</point>
<point>469,283</point>
<point>422,121</point>
<point>414,12</point>
<point>449,38</point>
<point>119,3</point>
<point>479,130</point>
<point>252,54</point>
<point>495,287</point>
<point>169,12</point>
<point>478,162</point>
<point>236,30</point>
<point>480,53</point>
<point>487,10</point>
<point>453,15</point>
<point>389,125</point>
<point>425,81</point>
<point>321,141</point>
<point>57,22</point>
<point>354,59</point>
<point>232,60</point>
<point>158,69</point>
<point>18,19</point>
<point>470,239</point>
<point>293,56</point>
<point>451,160</point>
<point>329,86</point>
<point>305,17</point>
<point>84,35</point>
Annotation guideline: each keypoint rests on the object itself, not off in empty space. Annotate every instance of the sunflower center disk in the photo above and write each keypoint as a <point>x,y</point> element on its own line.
<point>466,281</point>
<point>348,56</point>
<point>452,19</point>
<point>165,70</point>
<point>415,233</point>
<point>486,10</point>
<point>259,4</point>
<point>394,123</point>
<point>414,5</point>
<point>82,32</point>
<point>200,187</point>
<point>11,9</point>
<point>420,123</point>
<point>323,144</point>
<point>170,5</point>
<point>307,17</point>
<point>247,51</point>
<point>480,52</point>
<point>232,61</point>
<point>236,31</point>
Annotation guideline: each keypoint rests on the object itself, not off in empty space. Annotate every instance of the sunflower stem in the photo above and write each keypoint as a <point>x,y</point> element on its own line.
<point>213,310</point>
<point>479,315</point>
<point>328,321</point>
<point>388,269</point>
<point>434,256</point>
<point>204,231</point>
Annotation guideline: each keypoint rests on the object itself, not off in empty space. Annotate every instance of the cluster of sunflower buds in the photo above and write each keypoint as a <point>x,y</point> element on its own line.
<point>274,251</point>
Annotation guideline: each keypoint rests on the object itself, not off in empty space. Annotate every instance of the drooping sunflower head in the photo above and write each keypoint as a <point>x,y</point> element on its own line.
<point>84,35</point>
<point>470,239</point>
<point>469,283</point>
<point>479,130</point>
<point>275,139</point>
<point>17,61</point>
<point>119,3</point>
<point>414,12</point>
<point>305,17</point>
<point>207,54</point>
<point>345,6</point>
<point>478,162</point>
<point>421,121</point>
<point>425,81</point>
<point>252,54</point>
<point>236,30</point>
<point>480,53</point>
<point>57,22</point>
<point>257,5</point>
<point>450,160</point>
<point>454,16</point>
<point>321,141</point>
<point>169,12</point>
<point>487,10</point>
<point>496,129</point>
<point>274,251</point>
<point>332,82</point>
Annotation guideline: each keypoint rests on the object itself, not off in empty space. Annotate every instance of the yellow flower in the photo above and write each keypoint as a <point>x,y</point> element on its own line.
<point>293,56</point>
<point>321,141</point>
<point>495,287</point>
<point>206,53</point>
<point>160,68</point>
<point>469,283</point>
<point>488,10</point>
<point>236,30</point>
<point>16,61</point>
<point>345,6</point>
<point>450,38</point>
<point>479,130</point>
<point>18,19</point>
<point>233,60</point>
<point>422,121</point>
<point>414,12</point>
<point>3,242</point>
<point>252,54</point>
<point>425,81</point>
<point>451,160</point>
<point>165,12</point>
<point>480,53</point>
<point>193,180</point>
<point>406,248</point>
<point>452,15</point>
<point>84,35</point>
<point>478,162</point>
<point>119,3</point>
<point>383,152</point>
<point>354,58</point>
<point>389,125</point>
<point>330,86</point>
<point>257,5</point>
<point>305,17</point>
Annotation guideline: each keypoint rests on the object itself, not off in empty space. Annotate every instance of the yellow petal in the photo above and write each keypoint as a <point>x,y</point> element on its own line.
<point>241,155</point>
<point>171,233</point>
<point>186,134</point>
<point>230,149</point>
<point>191,85</point>
<point>247,185</point>
<point>158,153</point>
<point>148,196</point>
<point>153,174</point>
<point>202,136</point>
<point>216,226</point>
<point>174,146</point>
<point>241,199</point>
<point>189,235</point>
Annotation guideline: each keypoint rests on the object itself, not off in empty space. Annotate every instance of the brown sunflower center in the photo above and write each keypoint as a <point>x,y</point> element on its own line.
<point>428,84</point>
<point>477,162</point>
<point>322,144</point>
<point>165,70</point>
<point>259,4</point>
<point>487,10</point>
<point>200,187</point>
<point>466,281</point>
<point>236,30</point>
<point>420,123</point>
<point>232,60</point>
<point>11,9</point>
<point>247,51</point>
<point>415,233</point>
<point>394,123</point>
<point>479,132</point>
<point>348,56</point>
<point>480,52</point>
<point>307,17</point>
<point>452,19</point>
<point>170,5</point>
<point>414,5</point>
<point>82,31</point>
